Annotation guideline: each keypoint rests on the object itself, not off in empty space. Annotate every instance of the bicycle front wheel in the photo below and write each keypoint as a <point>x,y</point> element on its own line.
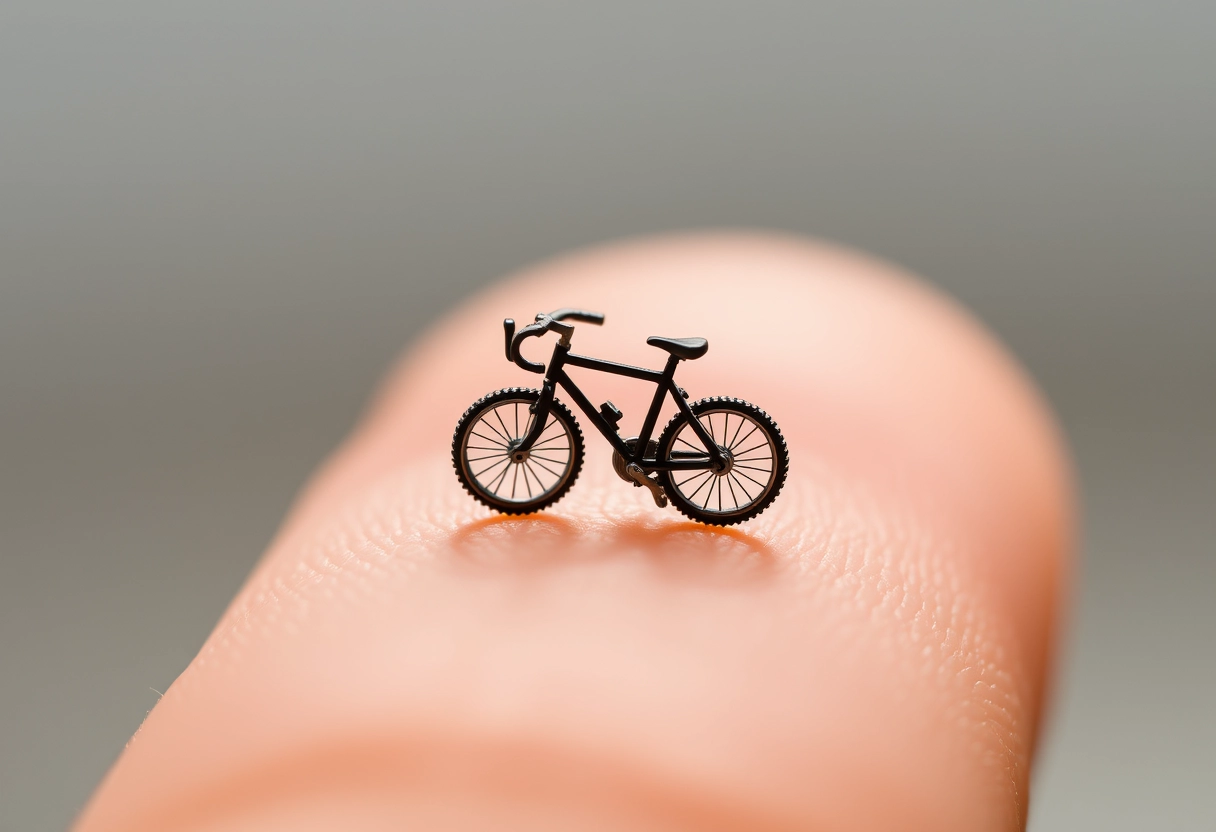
<point>489,466</point>
<point>756,454</point>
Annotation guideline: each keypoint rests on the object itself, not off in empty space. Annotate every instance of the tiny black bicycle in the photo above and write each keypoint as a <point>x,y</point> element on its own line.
<point>720,460</point>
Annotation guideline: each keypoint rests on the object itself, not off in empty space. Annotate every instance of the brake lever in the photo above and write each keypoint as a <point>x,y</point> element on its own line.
<point>549,322</point>
<point>566,330</point>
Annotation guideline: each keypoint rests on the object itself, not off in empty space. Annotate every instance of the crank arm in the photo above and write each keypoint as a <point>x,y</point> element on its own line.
<point>635,473</point>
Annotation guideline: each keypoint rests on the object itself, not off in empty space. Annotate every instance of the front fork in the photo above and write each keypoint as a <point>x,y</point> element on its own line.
<point>540,413</point>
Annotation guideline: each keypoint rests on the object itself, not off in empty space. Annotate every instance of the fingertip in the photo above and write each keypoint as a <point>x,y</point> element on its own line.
<point>873,649</point>
<point>866,368</point>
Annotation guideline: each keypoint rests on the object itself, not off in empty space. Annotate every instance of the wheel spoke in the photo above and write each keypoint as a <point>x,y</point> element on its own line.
<point>486,421</point>
<point>548,476</point>
<point>689,444</point>
<point>699,487</point>
<point>501,478</point>
<point>752,448</point>
<point>527,468</point>
<point>536,459</point>
<point>488,456</point>
<point>761,484</point>
<point>552,422</point>
<point>742,488</point>
<point>488,468</point>
<point>728,479</point>
<point>498,415</point>
<point>695,476</point>
<point>514,481</point>
<point>488,439</point>
<point>742,422</point>
<point>548,446</point>
<point>735,443</point>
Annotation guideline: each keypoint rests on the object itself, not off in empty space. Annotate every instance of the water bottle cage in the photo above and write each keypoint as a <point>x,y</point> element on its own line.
<point>611,413</point>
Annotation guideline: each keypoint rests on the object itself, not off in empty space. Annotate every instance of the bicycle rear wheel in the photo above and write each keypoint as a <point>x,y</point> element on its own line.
<point>489,466</point>
<point>757,462</point>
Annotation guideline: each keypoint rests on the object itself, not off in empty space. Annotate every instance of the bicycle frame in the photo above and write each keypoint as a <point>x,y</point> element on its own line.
<point>555,375</point>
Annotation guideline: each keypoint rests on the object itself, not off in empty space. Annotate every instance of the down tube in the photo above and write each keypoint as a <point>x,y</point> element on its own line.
<point>584,404</point>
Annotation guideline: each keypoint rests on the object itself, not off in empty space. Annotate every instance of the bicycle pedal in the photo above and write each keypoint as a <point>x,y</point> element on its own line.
<point>639,478</point>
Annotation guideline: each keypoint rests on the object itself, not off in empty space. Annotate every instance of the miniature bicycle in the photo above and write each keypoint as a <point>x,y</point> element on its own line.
<point>720,460</point>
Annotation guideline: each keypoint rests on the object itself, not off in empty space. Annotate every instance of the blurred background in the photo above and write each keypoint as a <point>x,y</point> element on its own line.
<point>220,222</point>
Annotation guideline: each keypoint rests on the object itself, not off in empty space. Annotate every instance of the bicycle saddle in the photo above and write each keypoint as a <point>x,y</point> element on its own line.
<point>684,348</point>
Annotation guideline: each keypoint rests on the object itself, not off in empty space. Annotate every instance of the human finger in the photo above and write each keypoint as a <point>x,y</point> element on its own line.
<point>871,652</point>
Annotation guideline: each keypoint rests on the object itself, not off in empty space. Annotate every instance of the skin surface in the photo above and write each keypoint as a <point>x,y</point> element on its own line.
<point>872,652</point>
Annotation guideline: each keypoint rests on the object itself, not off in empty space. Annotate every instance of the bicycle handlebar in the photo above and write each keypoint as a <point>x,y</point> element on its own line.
<point>544,323</point>
<point>531,331</point>
<point>586,317</point>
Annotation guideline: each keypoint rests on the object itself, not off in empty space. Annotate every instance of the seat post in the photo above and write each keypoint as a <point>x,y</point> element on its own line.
<point>669,372</point>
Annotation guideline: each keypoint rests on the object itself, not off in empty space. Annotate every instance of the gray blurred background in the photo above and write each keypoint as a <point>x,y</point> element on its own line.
<point>219,223</point>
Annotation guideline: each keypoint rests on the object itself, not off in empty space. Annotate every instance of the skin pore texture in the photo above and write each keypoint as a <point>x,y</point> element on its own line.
<point>871,653</point>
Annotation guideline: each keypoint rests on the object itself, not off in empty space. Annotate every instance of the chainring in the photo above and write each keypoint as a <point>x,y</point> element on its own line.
<point>619,462</point>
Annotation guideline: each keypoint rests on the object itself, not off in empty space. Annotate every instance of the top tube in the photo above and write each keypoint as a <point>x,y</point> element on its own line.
<point>613,367</point>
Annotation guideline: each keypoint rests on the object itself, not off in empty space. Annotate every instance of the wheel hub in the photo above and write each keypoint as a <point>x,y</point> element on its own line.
<point>517,456</point>
<point>728,462</point>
